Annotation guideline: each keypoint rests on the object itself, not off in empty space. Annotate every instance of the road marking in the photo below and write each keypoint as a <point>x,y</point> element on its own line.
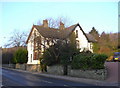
<point>47,81</point>
<point>69,86</point>
<point>65,85</point>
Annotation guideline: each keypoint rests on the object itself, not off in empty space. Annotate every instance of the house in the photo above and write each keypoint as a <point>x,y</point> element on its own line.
<point>41,36</point>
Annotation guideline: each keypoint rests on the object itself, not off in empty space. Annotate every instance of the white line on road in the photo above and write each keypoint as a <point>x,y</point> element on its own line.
<point>46,81</point>
<point>65,85</point>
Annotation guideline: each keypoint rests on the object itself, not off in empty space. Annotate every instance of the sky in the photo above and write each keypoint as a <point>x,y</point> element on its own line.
<point>22,15</point>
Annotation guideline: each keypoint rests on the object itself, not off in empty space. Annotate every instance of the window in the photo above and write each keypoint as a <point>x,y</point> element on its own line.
<point>77,44</point>
<point>31,45</point>
<point>90,46</point>
<point>35,33</point>
<point>31,58</point>
<point>47,42</point>
<point>76,33</point>
<point>38,46</point>
<point>35,55</point>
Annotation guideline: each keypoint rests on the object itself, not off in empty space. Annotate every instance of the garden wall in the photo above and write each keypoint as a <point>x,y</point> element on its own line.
<point>111,73</point>
<point>33,67</point>
<point>58,70</point>
<point>28,67</point>
<point>91,74</point>
<point>8,65</point>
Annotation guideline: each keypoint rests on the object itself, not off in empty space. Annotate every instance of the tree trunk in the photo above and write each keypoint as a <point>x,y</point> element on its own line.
<point>65,70</point>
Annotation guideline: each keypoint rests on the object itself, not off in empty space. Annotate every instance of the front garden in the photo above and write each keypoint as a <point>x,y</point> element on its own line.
<point>63,58</point>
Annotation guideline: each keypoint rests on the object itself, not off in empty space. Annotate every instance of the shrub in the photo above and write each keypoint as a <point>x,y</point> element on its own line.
<point>98,61</point>
<point>14,60</point>
<point>75,63</point>
<point>20,56</point>
<point>81,61</point>
<point>48,57</point>
<point>64,59</point>
<point>96,47</point>
<point>88,61</point>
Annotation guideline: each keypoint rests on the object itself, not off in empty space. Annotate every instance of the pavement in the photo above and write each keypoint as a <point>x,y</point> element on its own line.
<point>75,79</point>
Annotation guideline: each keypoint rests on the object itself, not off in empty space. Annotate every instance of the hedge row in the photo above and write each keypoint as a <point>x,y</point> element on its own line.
<point>88,61</point>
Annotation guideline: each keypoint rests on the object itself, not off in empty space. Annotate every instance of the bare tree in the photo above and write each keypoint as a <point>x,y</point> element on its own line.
<point>17,39</point>
<point>52,22</point>
<point>39,22</point>
<point>67,21</point>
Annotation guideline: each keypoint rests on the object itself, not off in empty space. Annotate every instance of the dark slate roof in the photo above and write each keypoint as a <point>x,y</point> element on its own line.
<point>91,38</point>
<point>60,34</point>
<point>54,33</point>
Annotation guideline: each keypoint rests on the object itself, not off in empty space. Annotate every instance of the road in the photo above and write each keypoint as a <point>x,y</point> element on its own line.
<point>16,78</point>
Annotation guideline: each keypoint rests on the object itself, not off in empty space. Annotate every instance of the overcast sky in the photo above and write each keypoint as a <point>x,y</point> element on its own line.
<point>22,15</point>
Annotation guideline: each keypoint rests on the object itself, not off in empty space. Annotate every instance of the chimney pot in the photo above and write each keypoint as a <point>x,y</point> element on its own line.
<point>61,26</point>
<point>45,23</point>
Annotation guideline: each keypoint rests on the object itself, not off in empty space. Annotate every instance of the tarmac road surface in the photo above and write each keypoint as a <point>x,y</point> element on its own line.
<point>16,78</point>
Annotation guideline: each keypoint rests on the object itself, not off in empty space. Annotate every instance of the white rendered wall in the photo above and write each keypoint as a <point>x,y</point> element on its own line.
<point>30,48</point>
<point>83,42</point>
<point>90,46</point>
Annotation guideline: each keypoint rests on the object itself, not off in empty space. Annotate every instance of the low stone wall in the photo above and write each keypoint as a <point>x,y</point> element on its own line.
<point>56,69</point>
<point>28,67</point>
<point>21,66</point>
<point>33,67</point>
<point>90,74</point>
<point>8,65</point>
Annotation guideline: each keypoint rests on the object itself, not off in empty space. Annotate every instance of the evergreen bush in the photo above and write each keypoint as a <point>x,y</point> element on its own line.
<point>20,56</point>
<point>88,61</point>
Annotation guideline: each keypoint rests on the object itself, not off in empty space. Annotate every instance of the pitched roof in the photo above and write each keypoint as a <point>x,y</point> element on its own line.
<point>57,33</point>
<point>54,33</point>
<point>91,38</point>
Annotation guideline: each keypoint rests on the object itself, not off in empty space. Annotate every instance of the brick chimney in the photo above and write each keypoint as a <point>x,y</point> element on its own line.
<point>61,27</point>
<point>45,23</point>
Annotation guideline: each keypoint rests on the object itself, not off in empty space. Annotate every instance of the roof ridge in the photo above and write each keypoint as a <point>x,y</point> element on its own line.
<point>55,28</point>
<point>57,33</point>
